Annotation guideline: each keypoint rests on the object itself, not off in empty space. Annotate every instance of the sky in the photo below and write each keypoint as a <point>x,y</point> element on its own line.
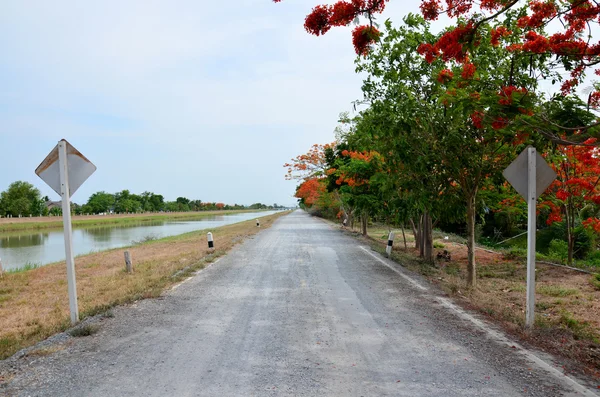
<point>205,100</point>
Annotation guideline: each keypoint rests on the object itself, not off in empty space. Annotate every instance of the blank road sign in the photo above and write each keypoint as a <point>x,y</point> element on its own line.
<point>80,169</point>
<point>516,174</point>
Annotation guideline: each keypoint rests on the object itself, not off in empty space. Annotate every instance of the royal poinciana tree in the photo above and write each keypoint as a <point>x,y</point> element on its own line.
<point>528,29</point>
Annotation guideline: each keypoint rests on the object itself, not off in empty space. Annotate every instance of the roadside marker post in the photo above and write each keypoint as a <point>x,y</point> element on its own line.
<point>257,223</point>
<point>209,237</point>
<point>128,264</point>
<point>530,175</point>
<point>390,243</point>
<point>64,170</point>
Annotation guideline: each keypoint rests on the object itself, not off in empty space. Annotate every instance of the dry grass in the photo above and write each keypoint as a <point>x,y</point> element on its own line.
<point>34,304</point>
<point>567,301</point>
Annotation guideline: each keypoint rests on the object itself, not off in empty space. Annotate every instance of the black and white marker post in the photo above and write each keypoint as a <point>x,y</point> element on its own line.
<point>257,223</point>
<point>211,244</point>
<point>390,243</point>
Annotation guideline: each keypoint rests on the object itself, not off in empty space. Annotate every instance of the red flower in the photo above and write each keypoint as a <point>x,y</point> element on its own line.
<point>499,123</point>
<point>431,9</point>
<point>536,43</point>
<point>506,94</point>
<point>477,119</point>
<point>429,51</point>
<point>498,32</point>
<point>363,37</point>
<point>445,76</point>
<point>342,13</point>
<point>562,195</point>
<point>317,22</point>
<point>468,71</point>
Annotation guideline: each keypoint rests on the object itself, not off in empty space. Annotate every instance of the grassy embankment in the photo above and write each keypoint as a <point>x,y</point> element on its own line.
<point>34,304</point>
<point>54,222</point>
<point>567,302</point>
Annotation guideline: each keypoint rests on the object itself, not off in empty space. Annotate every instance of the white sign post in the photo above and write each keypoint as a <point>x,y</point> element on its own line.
<point>530,175</point>
<point>64,170</point>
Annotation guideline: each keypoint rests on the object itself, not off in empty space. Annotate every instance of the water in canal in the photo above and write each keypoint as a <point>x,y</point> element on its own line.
<point>39,248</point>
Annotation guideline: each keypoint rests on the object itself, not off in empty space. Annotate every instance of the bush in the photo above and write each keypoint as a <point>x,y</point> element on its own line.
<point>558,250</point>
<point>593,259</point>
<point>585,241</point>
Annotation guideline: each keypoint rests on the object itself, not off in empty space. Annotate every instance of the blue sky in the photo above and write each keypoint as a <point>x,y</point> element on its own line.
<point>205,100</point>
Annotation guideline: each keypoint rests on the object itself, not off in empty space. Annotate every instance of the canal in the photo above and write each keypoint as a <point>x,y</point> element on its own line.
<point>27,248</point>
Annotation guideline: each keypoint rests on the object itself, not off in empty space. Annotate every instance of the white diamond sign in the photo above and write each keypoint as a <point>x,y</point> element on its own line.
<point>516,174</point>
<point>64,170</point>
<point>79,169</point>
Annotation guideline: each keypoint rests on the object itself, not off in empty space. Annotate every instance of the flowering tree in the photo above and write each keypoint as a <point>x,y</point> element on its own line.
<point>576,187</point>
<point>310,191</point>
<point>311,164</point>
<point>355,173</point>
<point>517,26</point>
<point>444,127</point>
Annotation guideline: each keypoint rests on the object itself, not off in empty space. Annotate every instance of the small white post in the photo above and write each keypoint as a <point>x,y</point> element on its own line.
<point>1,269</point>
<point>128,265</point>
<point>257,223</point>
<point>531,226</point>
<point>390,243</point>
<point>209,237</point>
<point>66,210</point>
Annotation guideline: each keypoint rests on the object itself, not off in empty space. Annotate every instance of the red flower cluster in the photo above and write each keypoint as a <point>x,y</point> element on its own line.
<point>324,17</point>
<point>363,37</point>
<point>468,71</point>
<point>499,123</point>
<point>431,9</point>
<point>592,223</point>
<point>542,11</point>
<point>497,33</point>
<point>458,7</point>
<point>449,46</point>
<point>477,119</point>
<point>535,43</point>
<point>342,13</point>
<point>445,76</point>
<point>317,22</point>
<point>506,94</point>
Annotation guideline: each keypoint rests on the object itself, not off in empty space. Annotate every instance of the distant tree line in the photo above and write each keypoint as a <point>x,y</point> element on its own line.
<point>23,199</point>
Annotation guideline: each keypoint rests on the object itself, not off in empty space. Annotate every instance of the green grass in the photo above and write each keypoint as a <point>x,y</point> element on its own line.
<point>27,266</point>
<point>595,281</point>
<point>556,290</point>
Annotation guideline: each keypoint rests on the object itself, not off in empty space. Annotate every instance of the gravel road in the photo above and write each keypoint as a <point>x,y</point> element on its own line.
<point>301,310</point>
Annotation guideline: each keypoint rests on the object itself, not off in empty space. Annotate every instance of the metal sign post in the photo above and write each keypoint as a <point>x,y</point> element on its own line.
<point>531,229</point>
<point>63,167</point>
<point>64,170</point>
<point>530,175</point>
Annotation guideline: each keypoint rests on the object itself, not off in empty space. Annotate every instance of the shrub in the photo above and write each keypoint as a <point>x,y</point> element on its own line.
<point>558,250</point>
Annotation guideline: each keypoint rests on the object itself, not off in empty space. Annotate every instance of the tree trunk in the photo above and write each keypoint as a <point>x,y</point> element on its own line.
<point>364,219</point>
<point>570,236</point>
<point>415,232</point>
<point>422,237</point>
<point>404,237</point>
<point>428,240</point>
<point>471,272</point>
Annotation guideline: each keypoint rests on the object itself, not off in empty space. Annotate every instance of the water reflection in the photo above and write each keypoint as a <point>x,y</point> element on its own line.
<point>18,249</point>
<point>27,240</point>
